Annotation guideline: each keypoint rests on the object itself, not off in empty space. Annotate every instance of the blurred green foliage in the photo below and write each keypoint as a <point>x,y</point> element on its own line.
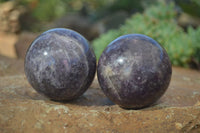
<point>46,10</point>
<point>2,1</point>
<point>49,10</point>
<point>129,6</point>
<point>158,21</point>
<point>43,12</point>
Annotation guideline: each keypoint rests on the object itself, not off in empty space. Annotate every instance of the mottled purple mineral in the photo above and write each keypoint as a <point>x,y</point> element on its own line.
<point>60,64</point>
<point>134,71</point>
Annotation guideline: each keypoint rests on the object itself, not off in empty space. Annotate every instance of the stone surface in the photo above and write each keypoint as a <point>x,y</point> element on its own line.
<point>9,66</point>
<point>186,20</point>
<point>7,44</point>
<point>9,16</point>
<point>134,71</point>
<point>23,42</point>
<point>60,64</point>
<point>24,110</point>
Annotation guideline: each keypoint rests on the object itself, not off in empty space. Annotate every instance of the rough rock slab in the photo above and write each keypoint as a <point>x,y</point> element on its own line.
<point>9,66</point>
<point>23,42</point>
<point>7,44</point>
<point>10,14</point>
<point>24,110</point>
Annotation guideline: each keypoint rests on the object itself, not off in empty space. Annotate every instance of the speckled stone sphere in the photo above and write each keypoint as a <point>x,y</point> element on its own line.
<point>60,64</point>
<point>134,71</point>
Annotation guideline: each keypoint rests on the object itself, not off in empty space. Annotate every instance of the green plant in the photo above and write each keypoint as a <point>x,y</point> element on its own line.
<point>158,22</point>
<point>194,34</point>
<point>49,10</point>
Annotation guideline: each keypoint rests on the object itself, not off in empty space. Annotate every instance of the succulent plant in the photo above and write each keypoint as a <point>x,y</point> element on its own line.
<point>159,23</point>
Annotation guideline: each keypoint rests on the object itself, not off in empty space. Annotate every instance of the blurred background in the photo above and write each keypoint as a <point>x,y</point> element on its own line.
<point>175,24</point>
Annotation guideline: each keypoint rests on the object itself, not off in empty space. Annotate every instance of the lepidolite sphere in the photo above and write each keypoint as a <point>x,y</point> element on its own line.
<point>60,64</point>
<point>134,71</point>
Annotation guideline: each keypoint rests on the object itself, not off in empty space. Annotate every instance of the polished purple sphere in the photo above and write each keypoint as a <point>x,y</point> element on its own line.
<point>134,71</point>
<point>60,64</point>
